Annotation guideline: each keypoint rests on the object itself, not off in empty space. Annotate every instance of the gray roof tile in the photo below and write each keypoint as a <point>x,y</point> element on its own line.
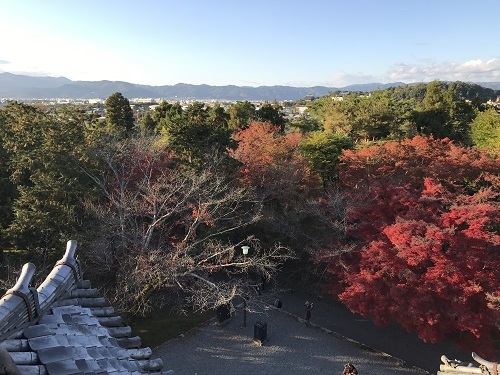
<point>65,367</point>
<point>44,342</point>
<point>24,358</point>
<point>129,342</point>
<point>62,340</point>
<point>103,311</point>
<point>88,364</point>
<point>38,330</point>
<point>105,365</point>
<point>104,352</point>
<point>94,353</point>
<point>108,341</point>
<point>15,345</point>
<point>85,341</point>
<point>120,331</point>
<point>83,365</point>
<point>51,319</point>
<point>55,354</point>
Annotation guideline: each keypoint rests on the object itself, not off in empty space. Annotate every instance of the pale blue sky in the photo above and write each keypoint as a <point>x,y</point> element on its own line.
<point>252,43</point>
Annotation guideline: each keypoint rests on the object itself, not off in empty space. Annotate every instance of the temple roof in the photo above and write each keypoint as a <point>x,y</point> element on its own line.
<point>65,327</point>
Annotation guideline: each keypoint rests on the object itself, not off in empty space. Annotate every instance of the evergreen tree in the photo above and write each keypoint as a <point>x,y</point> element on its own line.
<point>271,112</point>
<point>241,114</point>
<point>192,136</point>
<point>119,114</point>
<point>42,150</point>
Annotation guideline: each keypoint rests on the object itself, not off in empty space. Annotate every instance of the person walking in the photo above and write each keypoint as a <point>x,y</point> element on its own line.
<point>309,306</point>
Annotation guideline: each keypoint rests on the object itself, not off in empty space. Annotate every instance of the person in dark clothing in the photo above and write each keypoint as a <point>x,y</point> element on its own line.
<point>309,306</point>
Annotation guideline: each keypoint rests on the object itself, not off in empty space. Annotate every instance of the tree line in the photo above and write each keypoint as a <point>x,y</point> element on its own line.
<point>375,198</point>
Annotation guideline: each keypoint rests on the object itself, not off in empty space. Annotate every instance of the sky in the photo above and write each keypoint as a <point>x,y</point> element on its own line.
<point>330,43</point>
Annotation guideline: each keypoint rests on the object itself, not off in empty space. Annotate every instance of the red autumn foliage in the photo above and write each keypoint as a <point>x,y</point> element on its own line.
<point>271,160</point>
<point>426,213</point>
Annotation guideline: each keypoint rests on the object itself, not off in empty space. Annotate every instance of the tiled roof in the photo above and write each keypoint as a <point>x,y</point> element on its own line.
<point>456,367</point>
<point>64,327</point>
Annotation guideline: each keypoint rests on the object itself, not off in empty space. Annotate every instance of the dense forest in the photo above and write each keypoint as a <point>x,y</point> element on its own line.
<point>375,198</point>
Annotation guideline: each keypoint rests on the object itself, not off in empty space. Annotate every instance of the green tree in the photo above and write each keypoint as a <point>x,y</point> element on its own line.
<point>119,114</point>
<point>218,116</point>
<point>7,187</point>
<point>195,113</point>
<point>192,136</point>
<point>161,111</point>
<point>42,153</point>
<point>443,114</point>
<point>414,93</point>
<point>166,114</point>
<point>147,125</point>
<point>322,151</point>
<point>485,129</point>
<point>305,124</point>
<point>241,114</point>
<point>272,113</point>
<point>471,91</point>
<point>332,113</point>
<point>374,116</point>
<point>364,117</point>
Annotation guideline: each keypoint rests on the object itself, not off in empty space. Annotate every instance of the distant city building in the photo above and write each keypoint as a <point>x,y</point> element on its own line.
<point>309,98</point>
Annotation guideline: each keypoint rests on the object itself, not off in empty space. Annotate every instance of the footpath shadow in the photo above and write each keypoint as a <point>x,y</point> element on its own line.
<point>392,339</point>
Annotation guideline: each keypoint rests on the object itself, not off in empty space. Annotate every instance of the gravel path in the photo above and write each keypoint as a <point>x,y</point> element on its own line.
<point>392,339</point>
<point>291,348</point>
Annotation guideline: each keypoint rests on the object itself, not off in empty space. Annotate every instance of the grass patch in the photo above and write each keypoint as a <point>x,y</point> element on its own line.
<point>162,325</point>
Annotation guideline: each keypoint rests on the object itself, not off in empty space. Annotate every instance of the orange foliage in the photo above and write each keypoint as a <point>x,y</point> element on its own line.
<point>271,160</point>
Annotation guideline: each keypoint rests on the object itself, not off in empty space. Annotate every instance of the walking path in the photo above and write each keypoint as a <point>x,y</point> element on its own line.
<point>291,349</point>
<point>334,337</point>
<point>392,339</point>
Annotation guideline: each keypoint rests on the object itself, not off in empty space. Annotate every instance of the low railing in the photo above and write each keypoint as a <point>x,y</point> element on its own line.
<point>23,305</point>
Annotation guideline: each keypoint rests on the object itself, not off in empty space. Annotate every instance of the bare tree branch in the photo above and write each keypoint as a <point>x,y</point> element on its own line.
<point>175,229</point>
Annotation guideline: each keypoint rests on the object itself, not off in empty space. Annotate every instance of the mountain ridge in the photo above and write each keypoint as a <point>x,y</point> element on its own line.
<point>14,86</point>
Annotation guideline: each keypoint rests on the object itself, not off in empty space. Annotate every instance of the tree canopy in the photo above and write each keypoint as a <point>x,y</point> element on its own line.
<point>241,114</point>
<point>196,132</point>
<point>424,214</point>
<point>167,227</point>
<point>41,154</point>
<point>395,193</point>
<point>119,115</point>
<point>322,150</point>
<point>485,130</point>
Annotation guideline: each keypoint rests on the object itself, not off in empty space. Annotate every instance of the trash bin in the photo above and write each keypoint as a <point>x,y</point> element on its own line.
<point>260,331</point>
<point>223,313</point>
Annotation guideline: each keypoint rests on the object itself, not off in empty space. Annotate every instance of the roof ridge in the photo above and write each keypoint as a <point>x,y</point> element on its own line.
<point>65,326</point>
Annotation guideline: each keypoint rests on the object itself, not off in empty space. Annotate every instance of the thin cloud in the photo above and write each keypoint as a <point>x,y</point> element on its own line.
<point>468,71</point>
<point>4,62</point>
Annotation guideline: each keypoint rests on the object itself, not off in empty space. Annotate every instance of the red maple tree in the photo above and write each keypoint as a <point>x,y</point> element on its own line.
<point>425,213</point>
<point>271,161</point>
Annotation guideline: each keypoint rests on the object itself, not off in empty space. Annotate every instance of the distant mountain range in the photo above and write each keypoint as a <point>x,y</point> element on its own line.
<point>14,86</point>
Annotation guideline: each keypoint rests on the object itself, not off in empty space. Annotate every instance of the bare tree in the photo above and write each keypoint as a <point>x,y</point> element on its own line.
<point>171,227</point>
